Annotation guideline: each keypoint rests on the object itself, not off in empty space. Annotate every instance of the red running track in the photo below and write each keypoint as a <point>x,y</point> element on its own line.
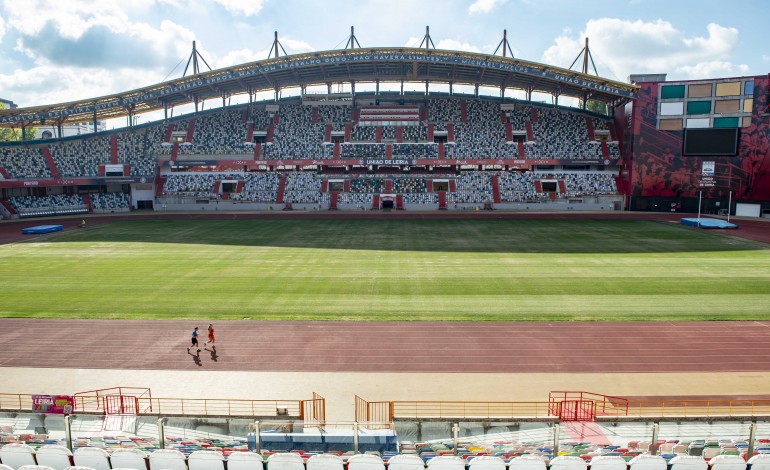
<point>390,347</point>
<point>393,346</point>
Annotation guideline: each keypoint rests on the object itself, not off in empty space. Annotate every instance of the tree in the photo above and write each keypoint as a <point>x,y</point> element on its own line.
<point>595,106</point>
<point>13,135</point>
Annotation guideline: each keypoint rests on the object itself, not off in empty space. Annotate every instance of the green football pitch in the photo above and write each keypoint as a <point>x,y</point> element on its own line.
<point>387,270</point>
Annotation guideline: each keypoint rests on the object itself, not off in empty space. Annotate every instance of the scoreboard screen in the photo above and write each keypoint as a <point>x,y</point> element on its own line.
<point>710,141</point>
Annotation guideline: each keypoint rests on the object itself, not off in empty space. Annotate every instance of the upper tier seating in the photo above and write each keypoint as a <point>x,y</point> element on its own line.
<point>24,162</point>
<point>81,157</point>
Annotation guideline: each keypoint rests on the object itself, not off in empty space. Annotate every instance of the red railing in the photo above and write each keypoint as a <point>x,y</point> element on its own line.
<point>605,405</point>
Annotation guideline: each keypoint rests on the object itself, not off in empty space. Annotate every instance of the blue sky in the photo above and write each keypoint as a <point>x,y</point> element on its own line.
<point>64,50</point>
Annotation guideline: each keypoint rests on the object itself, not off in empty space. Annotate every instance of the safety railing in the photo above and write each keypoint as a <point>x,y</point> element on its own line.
<point>370,412</point>
<point>366,411</point>
<point>93,403</point>
<point>468,409</point>
<point>94,400</point>
<point>605,405</point>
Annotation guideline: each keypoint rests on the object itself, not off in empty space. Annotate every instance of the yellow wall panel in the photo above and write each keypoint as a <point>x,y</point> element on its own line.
<point>728,89</point>
<point>748,103</point>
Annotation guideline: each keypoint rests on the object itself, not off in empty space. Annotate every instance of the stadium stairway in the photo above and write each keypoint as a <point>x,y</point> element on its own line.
<point>239,186</point>
<point>328,133</point>
<point>530,134</point>
<point>217,186</point>
<point>520,145</point>
<point>534,114</point>
<point>257,150</point>
<point>348,131</point>
<point>431,129</point>
<point>442,201</point>
<point>464,111</point>
<point>160,181</point>
<point>376,202</point>
<point>169,130</point>
<point>250,133</point>
<point>8,207</point>
<point>4,173</point>
<point>450,132</point>
<point>315,115</point>
<point>590,129</point>
<point>175,151</point>
<point>337,148</point>
<point>388,186</point>
<point>585,431</point>
<point>270,130</point>
<point>508,132</point>
<point>388,151</point>
<point>538,186</point>
<point>378,134</point>
<point>49,161</point>
<point>605,150</point>
<point>87,202</point>
<point>399,202</point>
<point>399,134</point>
<point>281,189</point>
<point>495,190</point>
<point>441,150</point>
<point>114,149</point>
<point>333,201</point>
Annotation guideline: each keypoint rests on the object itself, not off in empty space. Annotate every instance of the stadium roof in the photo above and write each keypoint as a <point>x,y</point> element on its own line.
<point>362,65</point>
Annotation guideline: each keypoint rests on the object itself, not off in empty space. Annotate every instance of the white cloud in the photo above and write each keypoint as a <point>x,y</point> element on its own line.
<point>715,68</point>
<point>242,56</point>
<point>43,84</point>
<point>84,33</point>
<point>245,7</point>
<point>484,6</point>
<point>454,45</point>
<point>2,28</point>
<point>447,44</point>
<point>624,47</point>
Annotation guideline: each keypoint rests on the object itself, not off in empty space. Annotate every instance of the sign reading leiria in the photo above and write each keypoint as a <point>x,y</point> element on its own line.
<point>280,64</point>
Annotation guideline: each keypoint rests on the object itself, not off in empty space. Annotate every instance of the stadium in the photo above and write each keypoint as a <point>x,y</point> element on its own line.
<point>443,279</point>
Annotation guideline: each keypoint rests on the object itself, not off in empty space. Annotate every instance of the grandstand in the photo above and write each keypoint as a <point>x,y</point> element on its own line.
<point>372,151</point>
<point>317,150</point>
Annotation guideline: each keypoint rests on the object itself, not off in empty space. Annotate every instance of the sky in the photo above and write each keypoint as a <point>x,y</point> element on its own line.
<point>54,51</point>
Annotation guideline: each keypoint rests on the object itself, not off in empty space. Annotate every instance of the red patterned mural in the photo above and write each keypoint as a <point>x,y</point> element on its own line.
<point>655,167</point>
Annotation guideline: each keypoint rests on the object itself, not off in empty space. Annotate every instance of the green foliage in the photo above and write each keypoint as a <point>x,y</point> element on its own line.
<point>598,107</point>
<point>13,135</point>
<point>472,270</point>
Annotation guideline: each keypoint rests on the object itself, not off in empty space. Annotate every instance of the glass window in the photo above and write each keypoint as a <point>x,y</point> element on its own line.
<point>726,122</point>
<point>670,125</point>
<point>698,123</point>
<point>699,90</point>
<point>671,91</point>
<point>727,106</point>
<point>748,88</point>
<point>668,109</point>
<point>699,107</point>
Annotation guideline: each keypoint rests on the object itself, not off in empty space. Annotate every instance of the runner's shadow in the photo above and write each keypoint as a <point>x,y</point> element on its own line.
<point>196,358</point>
<point>213,351</point>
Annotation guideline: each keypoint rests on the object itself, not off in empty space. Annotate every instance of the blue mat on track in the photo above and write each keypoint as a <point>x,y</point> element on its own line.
<point>38,229</point>
<point>706,223</point>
